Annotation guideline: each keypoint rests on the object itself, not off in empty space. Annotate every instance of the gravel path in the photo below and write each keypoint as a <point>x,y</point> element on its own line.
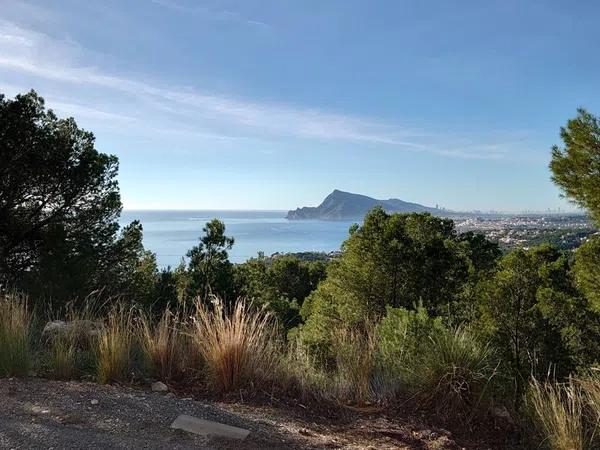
<point>43,414</point>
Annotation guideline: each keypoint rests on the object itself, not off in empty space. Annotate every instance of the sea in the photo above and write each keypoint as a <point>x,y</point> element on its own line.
<point>170,234</point>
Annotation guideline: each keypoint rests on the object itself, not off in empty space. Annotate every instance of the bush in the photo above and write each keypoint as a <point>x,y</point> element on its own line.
<point>114,345</point>
<point>401,335</point>
<point>237,345</point>
<point>15,333</point>
<point>164,344</point>
<point>298,374</point>
<point>452,373</point>
<point>71,350</point>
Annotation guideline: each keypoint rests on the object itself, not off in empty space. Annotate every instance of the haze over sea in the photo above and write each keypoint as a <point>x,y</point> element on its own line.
<point>170,234</point>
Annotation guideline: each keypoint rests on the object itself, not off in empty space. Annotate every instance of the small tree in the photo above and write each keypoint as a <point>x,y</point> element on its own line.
<point>209,267</point>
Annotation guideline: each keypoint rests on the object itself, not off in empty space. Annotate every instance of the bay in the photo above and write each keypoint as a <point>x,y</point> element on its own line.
<point>170,234</point>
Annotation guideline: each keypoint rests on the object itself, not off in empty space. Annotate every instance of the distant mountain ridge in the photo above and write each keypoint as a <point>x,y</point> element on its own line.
<point>340,205</point>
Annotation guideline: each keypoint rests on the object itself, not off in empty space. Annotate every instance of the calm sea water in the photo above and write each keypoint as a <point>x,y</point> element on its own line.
<point>170,234</point>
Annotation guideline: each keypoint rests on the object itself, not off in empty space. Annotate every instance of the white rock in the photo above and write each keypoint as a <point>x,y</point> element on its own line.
<point>79,328</point>
<point>56,326</point>
<point>94,402</point>
<point>159,386</point>
<point>208,428</point>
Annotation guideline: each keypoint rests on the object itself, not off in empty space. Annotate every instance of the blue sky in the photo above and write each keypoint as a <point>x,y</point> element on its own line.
<point>261,104</point>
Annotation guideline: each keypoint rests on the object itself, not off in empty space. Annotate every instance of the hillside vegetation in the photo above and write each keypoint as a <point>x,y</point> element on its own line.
<point>412,312</point>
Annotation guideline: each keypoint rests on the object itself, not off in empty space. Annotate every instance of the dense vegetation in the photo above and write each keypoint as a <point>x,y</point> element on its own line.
<point>411,308</point>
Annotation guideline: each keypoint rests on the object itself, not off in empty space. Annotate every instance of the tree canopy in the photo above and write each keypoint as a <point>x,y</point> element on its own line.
<point>211,272</point>
<point>397,260</point>
<point>59,207</point>
<point>576,166</point>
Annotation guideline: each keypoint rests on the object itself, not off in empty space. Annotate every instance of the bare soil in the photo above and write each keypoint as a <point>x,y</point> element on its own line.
<point>44,414</point>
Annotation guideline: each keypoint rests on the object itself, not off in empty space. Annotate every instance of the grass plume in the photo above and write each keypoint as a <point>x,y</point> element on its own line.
<point>115,344</point>
<point>164,344</point>
<point>236,344</point>
<point>15,336</point>
<point>558,410</point>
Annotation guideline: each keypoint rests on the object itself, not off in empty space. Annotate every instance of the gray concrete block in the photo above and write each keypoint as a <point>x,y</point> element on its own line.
<point>208,428</point>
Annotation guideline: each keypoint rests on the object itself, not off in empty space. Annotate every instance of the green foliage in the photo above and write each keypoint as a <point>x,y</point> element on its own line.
<point>448,370</point>
<point>576,166</point>
<point>210,271</point>
<point>60,203</point>
<point>536,318</point>
<point>452,372</point>
<point>401,335</point>
<point>586,271</point>
<point>281,283</point>
<point>397,260</point>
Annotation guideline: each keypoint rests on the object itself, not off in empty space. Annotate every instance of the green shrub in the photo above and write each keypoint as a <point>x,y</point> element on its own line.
<point>401,335</point>
<point>451,372</point>
<point>15,334</point>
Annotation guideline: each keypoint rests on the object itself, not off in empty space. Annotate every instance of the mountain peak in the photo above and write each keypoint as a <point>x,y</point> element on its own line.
<point>340,205</point>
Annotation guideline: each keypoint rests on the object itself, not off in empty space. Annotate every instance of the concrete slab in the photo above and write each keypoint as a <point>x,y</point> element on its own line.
<point>208,428</point>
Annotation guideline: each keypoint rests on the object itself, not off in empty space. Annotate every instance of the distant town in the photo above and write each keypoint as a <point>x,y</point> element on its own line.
<point>565,231</point>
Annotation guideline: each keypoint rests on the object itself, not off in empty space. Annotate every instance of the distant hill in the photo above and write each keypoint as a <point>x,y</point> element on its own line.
<point>341,205</point>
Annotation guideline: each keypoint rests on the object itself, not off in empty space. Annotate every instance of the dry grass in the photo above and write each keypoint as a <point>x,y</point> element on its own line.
<point>591,389</point>
<point>298,375</point>
<point>71,347</point>
<point>558,410</point>
<point>115,344</point>
<point>355,363</point>
<point>15,336</point>
<point>62,358</point>
<point>355,380</point>
<point>165,345</point>
<point>237,345</point>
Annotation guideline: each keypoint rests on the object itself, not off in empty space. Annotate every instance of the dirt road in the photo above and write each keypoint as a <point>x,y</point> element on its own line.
<point>42,414</point>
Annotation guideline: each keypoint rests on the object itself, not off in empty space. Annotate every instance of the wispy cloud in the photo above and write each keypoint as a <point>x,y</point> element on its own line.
<point>209,14</point>
<point>25,52</point>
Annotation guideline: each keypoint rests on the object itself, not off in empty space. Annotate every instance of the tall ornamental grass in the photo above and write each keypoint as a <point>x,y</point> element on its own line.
<point>355,363</point>
<point>237,344</point>
<point>165,345</point>
<point>567,414</point>
<point>115,344</point>
<point>15,336</point>
<point>558,410</point>
<point>71,349</point>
